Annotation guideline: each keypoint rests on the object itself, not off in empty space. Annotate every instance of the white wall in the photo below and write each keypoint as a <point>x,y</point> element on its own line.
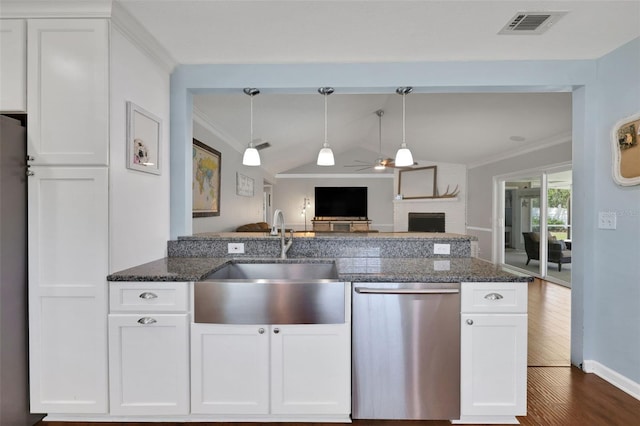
<point>448,175</point>
<point>289,194</point>
<point>480,188</point>
<point>138,202</point>
<point>235,210</point>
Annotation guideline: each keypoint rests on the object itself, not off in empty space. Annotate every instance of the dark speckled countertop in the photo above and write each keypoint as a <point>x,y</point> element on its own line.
<point>349,269</point>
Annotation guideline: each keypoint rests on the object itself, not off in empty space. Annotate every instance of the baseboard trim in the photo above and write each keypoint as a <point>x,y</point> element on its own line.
<point>616,379</point>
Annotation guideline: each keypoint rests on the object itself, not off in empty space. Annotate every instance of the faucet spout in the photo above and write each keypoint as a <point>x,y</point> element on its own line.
<point>278,216</point>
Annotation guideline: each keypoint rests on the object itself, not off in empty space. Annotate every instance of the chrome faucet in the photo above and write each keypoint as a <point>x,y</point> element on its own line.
<point>284,246</point>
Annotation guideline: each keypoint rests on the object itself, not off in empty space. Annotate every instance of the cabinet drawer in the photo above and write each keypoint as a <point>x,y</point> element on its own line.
<point>148,297</point>
<point>494,297</point>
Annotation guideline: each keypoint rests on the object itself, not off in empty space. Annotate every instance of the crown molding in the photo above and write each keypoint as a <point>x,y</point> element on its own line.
<point>202,119</point>
<point>135,32</point>
<point>55,9</point>
<point>334,176</point>
<point>541,144</point>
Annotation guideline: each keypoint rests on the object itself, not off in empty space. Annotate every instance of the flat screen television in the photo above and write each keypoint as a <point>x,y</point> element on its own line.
<point>341,201</point>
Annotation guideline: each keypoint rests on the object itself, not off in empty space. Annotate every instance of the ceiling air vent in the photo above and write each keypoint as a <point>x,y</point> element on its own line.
<point>531,22</point>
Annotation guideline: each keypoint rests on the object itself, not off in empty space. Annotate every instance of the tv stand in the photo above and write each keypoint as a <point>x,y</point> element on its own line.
<point>341,224</point>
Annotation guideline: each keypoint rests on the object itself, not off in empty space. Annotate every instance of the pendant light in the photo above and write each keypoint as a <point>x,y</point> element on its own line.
<point>380,161</point>
<point>251,156</point>
<point>325,156</point>
<point>403,156</point>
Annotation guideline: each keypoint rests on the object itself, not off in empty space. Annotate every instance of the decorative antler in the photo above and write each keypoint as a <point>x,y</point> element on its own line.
<point>448,194</point>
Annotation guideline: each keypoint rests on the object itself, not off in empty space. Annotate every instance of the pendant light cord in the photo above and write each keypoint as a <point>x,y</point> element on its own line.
<point>380,133</point>
<point>326,141</point>
<point>403,119</point>
<point>251,125</point>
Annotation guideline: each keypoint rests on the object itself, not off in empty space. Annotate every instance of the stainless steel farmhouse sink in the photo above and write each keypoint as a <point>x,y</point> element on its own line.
<point>263,272</point>
<point>271,293</point>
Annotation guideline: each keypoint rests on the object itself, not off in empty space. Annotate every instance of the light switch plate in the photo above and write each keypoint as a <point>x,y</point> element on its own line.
<point>441,248</point>
<point>606,220</point>
<point>235,248</point>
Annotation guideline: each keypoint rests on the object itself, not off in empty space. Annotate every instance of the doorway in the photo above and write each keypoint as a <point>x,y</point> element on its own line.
<point>536,210</point>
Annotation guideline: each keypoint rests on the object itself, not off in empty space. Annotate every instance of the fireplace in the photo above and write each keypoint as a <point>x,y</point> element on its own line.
<point>426,222</point>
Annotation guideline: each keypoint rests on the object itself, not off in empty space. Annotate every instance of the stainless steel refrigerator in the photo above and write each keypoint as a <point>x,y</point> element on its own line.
<point>14,361</point>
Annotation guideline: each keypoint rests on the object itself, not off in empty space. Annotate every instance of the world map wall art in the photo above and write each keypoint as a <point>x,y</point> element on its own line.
<point>206,180</point>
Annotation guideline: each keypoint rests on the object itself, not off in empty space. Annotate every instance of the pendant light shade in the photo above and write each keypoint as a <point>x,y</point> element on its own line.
<point>403,156</point>
<point>251,155</point>
<point>325,156</point>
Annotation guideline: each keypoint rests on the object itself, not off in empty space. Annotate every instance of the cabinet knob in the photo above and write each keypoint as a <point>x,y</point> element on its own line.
<point>30,158</point>
<point>493,296</point>
<point>276,330</point>
<point>146,321</point>
<point>470,322</point>
<point>147,295</point>
<point>261,330</point>
<point>30,173</point>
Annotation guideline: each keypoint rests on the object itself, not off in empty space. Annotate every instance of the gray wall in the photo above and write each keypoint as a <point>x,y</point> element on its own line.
<point>235,210</point>
<point>480,187</point>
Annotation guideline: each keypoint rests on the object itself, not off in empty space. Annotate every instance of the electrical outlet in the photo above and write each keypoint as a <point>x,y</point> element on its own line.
<point>441,265</point>
<point>607,220</point>
<point>237,248</point>
<point>441,248</point>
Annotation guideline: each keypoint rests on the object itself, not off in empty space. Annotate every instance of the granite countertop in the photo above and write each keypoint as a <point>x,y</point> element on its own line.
<point>333,236</point>
<point>361,269</point>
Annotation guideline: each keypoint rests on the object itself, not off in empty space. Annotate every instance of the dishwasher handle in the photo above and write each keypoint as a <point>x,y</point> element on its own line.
<point>366,290</point>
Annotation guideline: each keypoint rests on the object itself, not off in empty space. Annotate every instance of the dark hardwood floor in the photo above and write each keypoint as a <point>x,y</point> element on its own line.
<point>558,395</point>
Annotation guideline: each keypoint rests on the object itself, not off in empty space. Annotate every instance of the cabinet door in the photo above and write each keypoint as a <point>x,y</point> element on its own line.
<point>68,96</point>
<point>13,65</point>
<point>149,364</point>
<point>493,364</point>
<point>229,369</point>
<point>68,264</point>
<point>311,369</point>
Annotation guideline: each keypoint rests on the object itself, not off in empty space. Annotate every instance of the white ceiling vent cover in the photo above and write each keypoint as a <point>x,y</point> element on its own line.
<point>531,22</point>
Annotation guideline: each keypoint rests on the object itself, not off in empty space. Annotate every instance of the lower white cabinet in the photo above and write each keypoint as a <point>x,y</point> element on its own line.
<point>271,369</point>
<point>148,351</point>
<point>493,352</point>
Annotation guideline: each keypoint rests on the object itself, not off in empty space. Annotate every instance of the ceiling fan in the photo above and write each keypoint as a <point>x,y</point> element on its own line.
<point>380,163</point>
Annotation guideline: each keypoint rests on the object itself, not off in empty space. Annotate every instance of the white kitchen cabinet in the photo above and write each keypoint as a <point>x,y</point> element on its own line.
<point>493,352</point>
<point>272,370</point>
<point>68,262</point>
<point>13,65</point>
<point>229,369</point>
<point>311,369</point>
<point>68,96</point>
<point>149,364</point>
<point>149,348</point>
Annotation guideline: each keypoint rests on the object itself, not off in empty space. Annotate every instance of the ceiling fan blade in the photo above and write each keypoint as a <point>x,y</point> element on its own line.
<point>357,165</point>
<point>364,168</point>
<point>262,145</point>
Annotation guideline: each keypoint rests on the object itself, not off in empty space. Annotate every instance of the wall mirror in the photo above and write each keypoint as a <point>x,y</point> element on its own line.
<point>417,183</point>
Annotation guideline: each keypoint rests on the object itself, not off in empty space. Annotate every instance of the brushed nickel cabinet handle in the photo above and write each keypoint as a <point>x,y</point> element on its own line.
<point>276,330</point>
<point>31,158</point>
<point>147,295</point>
<point>470,322</point>
<point>30,173</point>
<point>494,296</point>
<point>147,321</point>
<point>261,330</point>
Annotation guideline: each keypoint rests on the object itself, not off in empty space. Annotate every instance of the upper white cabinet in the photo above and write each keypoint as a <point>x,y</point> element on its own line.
<point>493,352</point>
<point>68,96</point>
<point>13,65</point>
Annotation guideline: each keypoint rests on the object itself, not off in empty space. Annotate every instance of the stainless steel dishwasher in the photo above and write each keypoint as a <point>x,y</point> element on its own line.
<point>406,351</point>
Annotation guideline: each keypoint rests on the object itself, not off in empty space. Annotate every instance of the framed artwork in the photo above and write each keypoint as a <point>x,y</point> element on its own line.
<point>144,136</point>
<point>244,185</point>
<point>207,163</point>
<point>625,144</point>
<point>417,183</point>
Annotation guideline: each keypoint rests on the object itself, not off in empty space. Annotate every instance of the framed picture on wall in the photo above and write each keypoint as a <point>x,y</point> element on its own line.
<point>625,143</point>
<point>207,163</point>
<point>417,183</point>
<point>143,140</point>
<point>244,185</point>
